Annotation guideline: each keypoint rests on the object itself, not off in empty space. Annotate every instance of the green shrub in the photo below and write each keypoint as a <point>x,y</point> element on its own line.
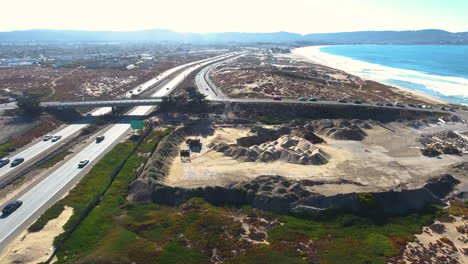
<point>367,200</point>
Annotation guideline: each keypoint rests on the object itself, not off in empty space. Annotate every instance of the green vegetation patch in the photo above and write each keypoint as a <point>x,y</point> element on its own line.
<point>56,159</point>
<point>6,148</point>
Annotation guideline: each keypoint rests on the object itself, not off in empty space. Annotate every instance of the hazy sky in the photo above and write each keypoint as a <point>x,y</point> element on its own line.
<point>201,16</point>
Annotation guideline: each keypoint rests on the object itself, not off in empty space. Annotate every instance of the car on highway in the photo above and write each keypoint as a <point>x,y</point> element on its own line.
<point>56,138</point>
<point>83,163</point>
<point>139,90</point>
<point>4,162</point>
<point>302,99</point>
<point>398,104</point>
<point>47,138</point>
<point>167,88</point>
<point>412,105</point>
<point>379,104</point>
<point>99,139</point>
<point>343,101</point>
<point>11,207</point>
<point>357,102</point>
<point>313,99</point>
<point>16,162</point>
<point>388,104</point>
<point>277,98</point>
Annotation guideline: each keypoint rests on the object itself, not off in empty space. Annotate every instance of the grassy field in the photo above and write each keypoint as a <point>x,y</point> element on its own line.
<point>56,159</point>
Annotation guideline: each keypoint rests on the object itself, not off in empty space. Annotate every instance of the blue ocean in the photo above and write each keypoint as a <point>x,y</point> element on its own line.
<point>437,70</point>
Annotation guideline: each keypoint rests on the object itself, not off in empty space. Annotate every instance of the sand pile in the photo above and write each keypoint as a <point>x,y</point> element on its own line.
<point>339,129</point>
<point>286,148</point>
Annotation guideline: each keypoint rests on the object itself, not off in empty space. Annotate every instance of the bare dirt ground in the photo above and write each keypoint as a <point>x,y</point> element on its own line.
<point>266,74</point>
<point>386,158</point>
<point>35,247</point>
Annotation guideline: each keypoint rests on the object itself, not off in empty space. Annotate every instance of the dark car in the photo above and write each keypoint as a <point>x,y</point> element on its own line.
<point>302,99</point>
<point>379,104</point>
<point>11,207</point>
<point>83,163</point>
<point>313,99</point>
<point>4,162</point>
<point>343,101</point>
<point>398,104</point>
<point>357,102</point>
<point>388,104</point>
<point>412,105</point>
<point>17,162</point>
<point>277,98</point>
<point>99,139</point>
<point>56,138</point>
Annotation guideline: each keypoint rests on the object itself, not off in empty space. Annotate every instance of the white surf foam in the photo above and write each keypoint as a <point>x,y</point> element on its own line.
<point>449,86</point>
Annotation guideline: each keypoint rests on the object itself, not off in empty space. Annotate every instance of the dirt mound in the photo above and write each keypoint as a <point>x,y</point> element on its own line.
<point>279,194</point>
<point>286,148</point>
<point>308,135</point>
<point>339,129</point>
<point>348,134</point>
<point>262,135</point>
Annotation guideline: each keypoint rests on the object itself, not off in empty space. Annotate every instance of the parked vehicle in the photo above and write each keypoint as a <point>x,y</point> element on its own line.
<point>357,102</point>
<point>56,138</point>
<point>16,162</point>
<point>302,99</point>
<point>11,207</point>
<point>47,138</point>
<point>398,104</point>
<point>313,99</point>
<point>4,162</point>
<point>443,108</point>
<point>412,105</point>
<point>83,163</point>
<point>452,109</point>
<point>277,98</point>
<point>99,139</point>
<point>379,104</point>
<point>388,104</point>
<point>343,101</point>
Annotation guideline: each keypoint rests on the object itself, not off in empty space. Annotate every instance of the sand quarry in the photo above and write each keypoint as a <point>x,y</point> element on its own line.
<point>388,157</point>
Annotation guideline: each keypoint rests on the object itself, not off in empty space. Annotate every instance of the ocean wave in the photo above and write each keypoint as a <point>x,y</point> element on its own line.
<point>453,89</point>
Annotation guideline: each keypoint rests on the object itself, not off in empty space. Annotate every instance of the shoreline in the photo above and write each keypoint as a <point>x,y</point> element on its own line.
<point>417,94</point>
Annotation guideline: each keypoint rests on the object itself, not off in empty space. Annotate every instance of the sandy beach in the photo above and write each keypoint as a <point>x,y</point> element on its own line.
<point>419,95</point>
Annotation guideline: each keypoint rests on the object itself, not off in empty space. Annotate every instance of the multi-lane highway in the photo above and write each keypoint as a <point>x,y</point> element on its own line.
<point>41,196</point>
<point>37,149</point>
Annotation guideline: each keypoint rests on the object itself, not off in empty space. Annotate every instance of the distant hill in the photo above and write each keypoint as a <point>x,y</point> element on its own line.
<point>430,36</point>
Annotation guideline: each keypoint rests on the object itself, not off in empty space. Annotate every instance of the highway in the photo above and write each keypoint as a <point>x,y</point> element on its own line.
<point>37,199</point>
<point>38,148</point>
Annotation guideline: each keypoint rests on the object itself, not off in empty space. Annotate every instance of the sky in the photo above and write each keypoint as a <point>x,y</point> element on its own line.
<point>204,16</point>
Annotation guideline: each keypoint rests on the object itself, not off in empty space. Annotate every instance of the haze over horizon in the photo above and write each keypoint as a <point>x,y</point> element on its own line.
<point>209,16</point>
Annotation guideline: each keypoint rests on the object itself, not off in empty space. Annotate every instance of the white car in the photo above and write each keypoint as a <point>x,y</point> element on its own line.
<point>47,138</point>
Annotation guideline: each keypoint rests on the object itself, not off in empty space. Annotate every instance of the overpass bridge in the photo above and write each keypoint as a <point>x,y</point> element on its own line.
<point>126,102</point>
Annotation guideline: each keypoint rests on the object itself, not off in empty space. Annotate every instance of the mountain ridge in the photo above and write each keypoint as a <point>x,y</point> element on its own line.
<point>427,36</point>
